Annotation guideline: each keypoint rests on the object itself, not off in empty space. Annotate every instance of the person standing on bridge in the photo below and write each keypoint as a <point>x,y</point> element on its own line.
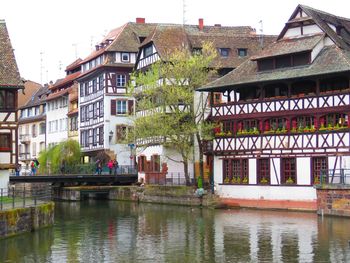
<point>98,167</point>
<point>110,166</point>
<point>116,166</point>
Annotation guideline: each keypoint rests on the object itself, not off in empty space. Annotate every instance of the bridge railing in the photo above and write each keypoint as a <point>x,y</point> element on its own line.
<point>19,196</point>
<point>90,168</point>
<point>170,179</point>
<point>335,176</point>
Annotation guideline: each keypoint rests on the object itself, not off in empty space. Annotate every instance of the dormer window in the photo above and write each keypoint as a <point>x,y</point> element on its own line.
<point>224,52</point>
<point>125,57</point>
<point>242,52</point>
<point>148,51</point>
<point>197,50</point>
<point>285,61</point>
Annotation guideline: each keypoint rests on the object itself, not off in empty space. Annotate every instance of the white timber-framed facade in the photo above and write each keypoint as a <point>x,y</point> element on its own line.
<point>285,116</point>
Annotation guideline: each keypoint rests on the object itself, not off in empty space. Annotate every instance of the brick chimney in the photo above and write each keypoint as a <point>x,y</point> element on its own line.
<point>200,24</point>
<point>140,20</point>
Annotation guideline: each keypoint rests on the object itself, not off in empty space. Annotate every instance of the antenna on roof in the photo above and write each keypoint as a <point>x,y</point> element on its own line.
<point>75,45</point>
<point>261,34</point>
<point>41,67</point>
<point>183,12</point>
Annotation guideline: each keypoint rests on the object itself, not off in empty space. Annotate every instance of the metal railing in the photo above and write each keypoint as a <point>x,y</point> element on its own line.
<point>170,179</point>
<point>335,176</point>
<point>89,168</point>
<point>24,196</point>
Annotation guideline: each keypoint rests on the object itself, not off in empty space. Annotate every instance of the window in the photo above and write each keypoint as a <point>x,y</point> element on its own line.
<point>42,128</point>
<point>94,137</point>
<point>142,163</point>
<point>288,171</point>
<point>5,142</point>
<point>82,113</point>
<point>30,112</point>
<point>235,171</point>
<point>147,51</point>
<point>100,82</point>
<point>34,148</point>
<point>263,171</point>
<point>121,133</point>
<point>283,62</point>
<point>319,165</point>
<point>197,51</point>
<point>125,57</point>
<point>34,131</point>
<point>74,123</point>
<point>7,100</point>
<point>276,90</point>
<point>224,52</point>
<point>101,135</point>
<point>121,106</point>
<point>101,108</point>
<point>94,85</point>
<point>121,80</point>
<point>37,110</point>
<point>155,163</point>
<point>242,52</point>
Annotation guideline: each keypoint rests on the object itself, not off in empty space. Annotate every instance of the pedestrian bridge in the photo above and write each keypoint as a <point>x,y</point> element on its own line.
<point>84,174</point>
<point>91,179</point>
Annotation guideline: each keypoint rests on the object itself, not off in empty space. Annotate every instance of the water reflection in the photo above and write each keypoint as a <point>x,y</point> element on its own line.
<point>99,231</point>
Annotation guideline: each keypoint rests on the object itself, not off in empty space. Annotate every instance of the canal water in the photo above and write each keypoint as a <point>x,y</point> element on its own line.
<point>108,231</point>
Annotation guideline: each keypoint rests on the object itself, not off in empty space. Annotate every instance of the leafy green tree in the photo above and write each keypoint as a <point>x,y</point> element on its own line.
<point>173,114</point>
<point>64,154</point>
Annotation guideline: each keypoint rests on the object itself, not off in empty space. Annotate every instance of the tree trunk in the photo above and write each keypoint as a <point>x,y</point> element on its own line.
<point>200,148</point>
<point>187,177</point>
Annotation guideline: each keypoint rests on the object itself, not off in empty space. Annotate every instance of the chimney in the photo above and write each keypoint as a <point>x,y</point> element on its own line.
<point>200,24</point>
<point>140,20</point>
<point>97,47</point>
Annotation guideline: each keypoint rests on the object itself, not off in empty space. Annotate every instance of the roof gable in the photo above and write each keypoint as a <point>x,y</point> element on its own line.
<point>324,21</point>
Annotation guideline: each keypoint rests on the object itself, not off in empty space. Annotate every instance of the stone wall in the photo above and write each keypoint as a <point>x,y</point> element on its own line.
<point>177,195</point>
<point>333,200</point>
<point>20,220</point>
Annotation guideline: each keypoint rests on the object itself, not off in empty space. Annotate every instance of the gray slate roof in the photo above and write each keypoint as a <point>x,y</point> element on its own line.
<point>330,60</point>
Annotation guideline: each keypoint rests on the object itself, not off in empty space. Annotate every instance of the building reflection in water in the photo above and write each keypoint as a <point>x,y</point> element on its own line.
<point>100,231</point>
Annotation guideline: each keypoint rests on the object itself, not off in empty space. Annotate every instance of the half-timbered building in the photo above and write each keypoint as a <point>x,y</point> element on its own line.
<point>10,83</point>
<point>285,115</point>
<point>104,105</point>
<point>32,128</point>
<point>59,111</point>
<point>234,45</point>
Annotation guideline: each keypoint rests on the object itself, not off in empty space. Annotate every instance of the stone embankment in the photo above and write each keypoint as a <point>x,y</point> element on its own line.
<point>19,220</point>
<point>174,195</point>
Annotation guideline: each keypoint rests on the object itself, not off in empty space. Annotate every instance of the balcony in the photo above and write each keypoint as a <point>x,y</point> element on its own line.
<point>317,142</point>
<point>24,138</point>
<point>24,156</point>
<point>307,103</point>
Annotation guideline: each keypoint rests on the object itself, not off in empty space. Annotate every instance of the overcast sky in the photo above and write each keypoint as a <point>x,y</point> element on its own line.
<point>48,35</point>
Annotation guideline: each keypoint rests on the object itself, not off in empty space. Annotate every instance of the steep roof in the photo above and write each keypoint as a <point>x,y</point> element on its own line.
<point>30,88</point>
<point>289,46</point>
<point>38,98</point>
<point>169,37</point>
<point>331,59</point>
<point>9,74</point>
<point>324,20</point>
<point>125,38</point>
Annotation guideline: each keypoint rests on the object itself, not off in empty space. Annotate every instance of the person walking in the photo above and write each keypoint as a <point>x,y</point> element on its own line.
<point>116,166</point>
<point>98,167</point>
<point>110,165</point>
<point>33,167</point>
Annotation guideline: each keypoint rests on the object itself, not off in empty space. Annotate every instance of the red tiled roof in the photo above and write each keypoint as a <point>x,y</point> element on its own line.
<point>57,94</point>
<point>67,80</point>
<point>74,65</point>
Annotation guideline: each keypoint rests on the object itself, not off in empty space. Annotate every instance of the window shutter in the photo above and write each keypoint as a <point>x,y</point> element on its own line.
<point>113,107</point>
<point>130,107</point>
<point>139,163</point>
